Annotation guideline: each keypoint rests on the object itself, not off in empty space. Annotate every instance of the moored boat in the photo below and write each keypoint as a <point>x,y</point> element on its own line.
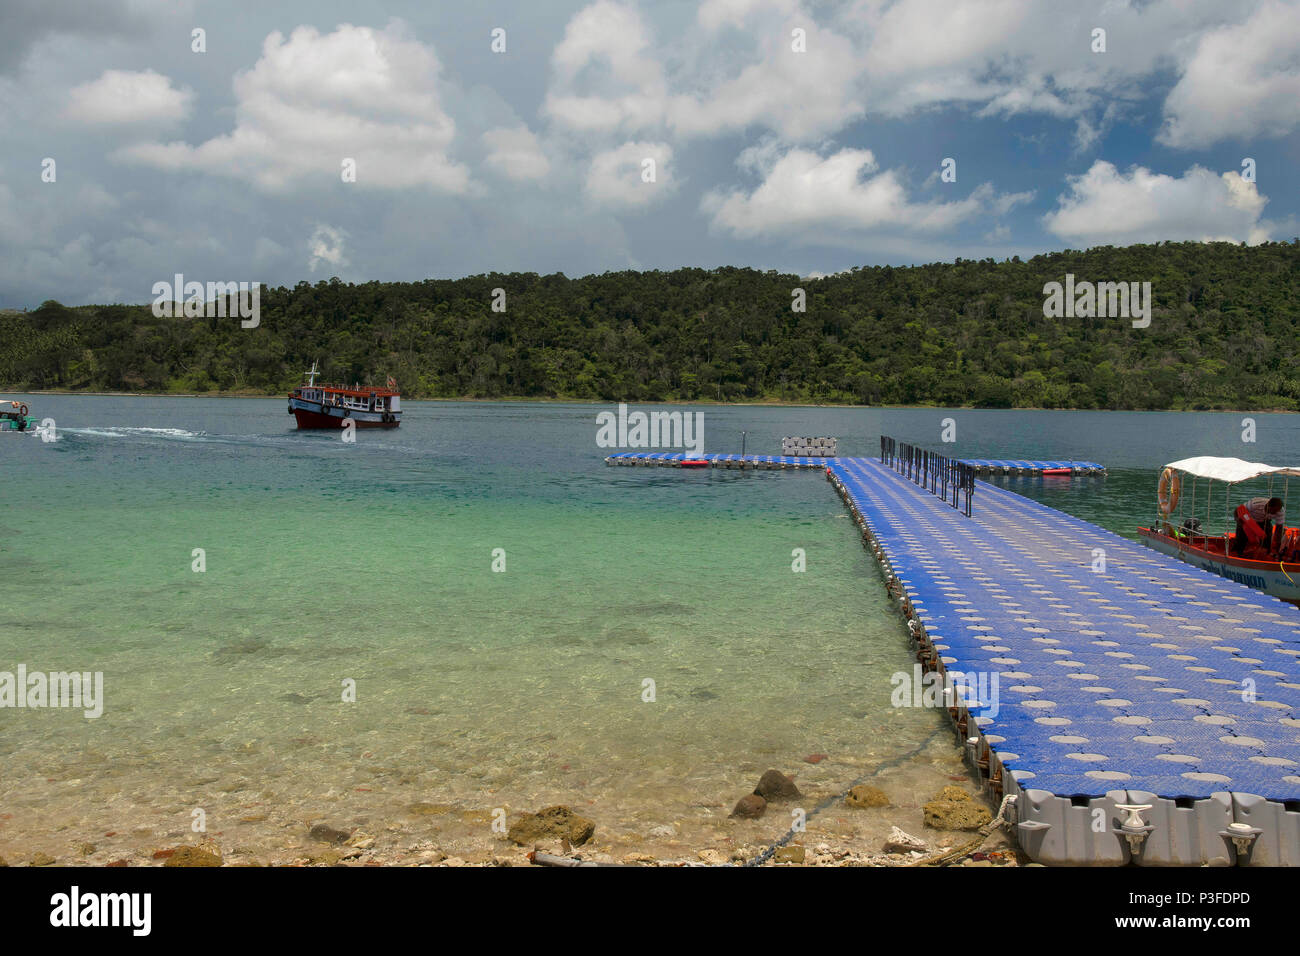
<point>1265,558</point>
<point>332,406</point>
<point>14,418</point>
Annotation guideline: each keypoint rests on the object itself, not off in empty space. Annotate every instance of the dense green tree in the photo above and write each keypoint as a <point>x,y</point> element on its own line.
<point>1223,334</point>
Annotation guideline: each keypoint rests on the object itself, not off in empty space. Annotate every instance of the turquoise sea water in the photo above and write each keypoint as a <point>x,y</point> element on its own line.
<point>329,563</point>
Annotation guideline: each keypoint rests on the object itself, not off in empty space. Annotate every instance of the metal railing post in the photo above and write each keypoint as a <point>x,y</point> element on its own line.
<point>932,471</point>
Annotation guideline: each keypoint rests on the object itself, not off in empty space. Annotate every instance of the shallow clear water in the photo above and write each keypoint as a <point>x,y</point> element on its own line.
<point>329,562</point>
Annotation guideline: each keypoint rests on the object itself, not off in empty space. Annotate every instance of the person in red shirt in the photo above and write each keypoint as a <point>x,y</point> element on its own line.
<point>1270,515</point>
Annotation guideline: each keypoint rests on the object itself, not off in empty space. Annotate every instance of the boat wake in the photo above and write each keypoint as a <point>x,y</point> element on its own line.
<point>126,432</point>
<point>288,440</point>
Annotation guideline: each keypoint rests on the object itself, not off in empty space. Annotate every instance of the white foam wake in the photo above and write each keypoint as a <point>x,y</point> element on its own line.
<point>124,431</point>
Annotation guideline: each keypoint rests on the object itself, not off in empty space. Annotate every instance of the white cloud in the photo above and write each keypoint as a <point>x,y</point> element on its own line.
<point>799,95</point>
<point>1236,64</point>
<point>806,198</point>
<point>1107,207</point>
<point>1242,81</point>
<point>606,46</point>
<point>615,177</point>
<point>124,97</point>
<point>326,245</point>
<point>709,79</point>
<point>313,100</point>
<point>732,67</point>
<point>1016,57</point>
<point>515,153</point>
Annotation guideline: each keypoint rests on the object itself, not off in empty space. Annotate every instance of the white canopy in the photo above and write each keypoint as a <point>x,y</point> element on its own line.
<point>1229,469</point>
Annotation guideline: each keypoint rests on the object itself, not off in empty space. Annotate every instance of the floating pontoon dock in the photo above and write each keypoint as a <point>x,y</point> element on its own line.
<point>992,466</point>
<point>982,466</point>
<point>1145,711</point>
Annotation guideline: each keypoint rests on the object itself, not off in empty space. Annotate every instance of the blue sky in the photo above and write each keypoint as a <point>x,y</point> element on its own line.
<point>785,134</point>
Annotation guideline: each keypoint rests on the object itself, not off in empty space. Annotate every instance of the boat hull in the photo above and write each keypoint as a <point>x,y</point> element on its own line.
<point>315,415</point>
<point>1280,580</point>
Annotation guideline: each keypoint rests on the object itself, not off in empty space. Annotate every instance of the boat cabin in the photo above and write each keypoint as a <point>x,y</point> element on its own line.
<point>358,398</point>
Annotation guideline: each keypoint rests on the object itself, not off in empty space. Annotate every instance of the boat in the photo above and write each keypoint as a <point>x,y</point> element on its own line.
<point>14,418</point>
<point>331,406</point>
<point>1271,566</point>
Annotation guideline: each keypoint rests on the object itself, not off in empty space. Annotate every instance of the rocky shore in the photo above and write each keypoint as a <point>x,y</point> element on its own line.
<point>953,828</point>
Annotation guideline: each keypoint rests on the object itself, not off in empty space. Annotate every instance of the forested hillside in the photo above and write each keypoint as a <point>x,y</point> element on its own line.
<point>1223,334</point>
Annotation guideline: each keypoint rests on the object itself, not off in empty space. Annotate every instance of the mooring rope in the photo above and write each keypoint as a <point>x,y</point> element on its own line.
<point>998,821</point>
<point>831,801</point>
<point>953,853</point>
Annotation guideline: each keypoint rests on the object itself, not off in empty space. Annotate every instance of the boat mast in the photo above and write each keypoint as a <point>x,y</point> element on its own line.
<point>311,376</point>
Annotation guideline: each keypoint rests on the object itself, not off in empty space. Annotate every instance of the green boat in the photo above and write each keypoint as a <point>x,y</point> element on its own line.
<point>14,418</point>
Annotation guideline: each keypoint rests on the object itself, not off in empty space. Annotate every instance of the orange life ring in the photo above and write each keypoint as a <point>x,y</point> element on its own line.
<point>1169,491</point>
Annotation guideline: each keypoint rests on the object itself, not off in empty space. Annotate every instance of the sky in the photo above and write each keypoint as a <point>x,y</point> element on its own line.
<point>298,141</point>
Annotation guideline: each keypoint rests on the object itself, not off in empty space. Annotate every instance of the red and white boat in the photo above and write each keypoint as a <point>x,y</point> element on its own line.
<point>1272,565</point>
<point>330,406</point>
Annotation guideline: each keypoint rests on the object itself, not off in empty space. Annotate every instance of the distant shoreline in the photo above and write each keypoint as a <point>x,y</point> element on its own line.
<point>533,400</point>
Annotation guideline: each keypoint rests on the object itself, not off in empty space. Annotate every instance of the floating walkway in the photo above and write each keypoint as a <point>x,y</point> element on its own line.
<point>983,466</point>
<point>994,466</point>
<point>1144,711</point>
